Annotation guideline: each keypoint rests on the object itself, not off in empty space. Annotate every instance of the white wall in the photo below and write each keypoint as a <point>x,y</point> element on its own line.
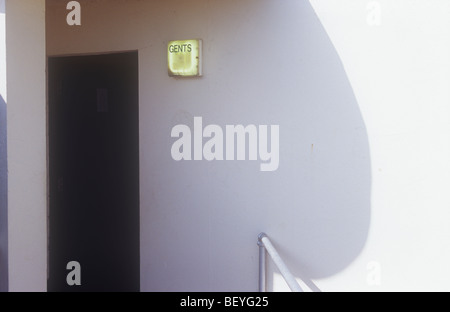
<point>359,201</point>
<point>3,164</point>
<point>26,125</point>
<point>400,72</point>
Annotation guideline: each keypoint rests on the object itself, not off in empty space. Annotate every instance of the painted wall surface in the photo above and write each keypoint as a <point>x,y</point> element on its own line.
<point>359,200</point>
<point>398,64</point>
<point>3,152</point>
<point>26,126</point>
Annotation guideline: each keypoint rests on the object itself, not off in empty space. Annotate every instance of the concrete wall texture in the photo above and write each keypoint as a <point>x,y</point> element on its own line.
<point>359,90</point>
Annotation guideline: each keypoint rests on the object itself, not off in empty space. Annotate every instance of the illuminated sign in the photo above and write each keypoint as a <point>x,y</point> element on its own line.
<point>185,58</point>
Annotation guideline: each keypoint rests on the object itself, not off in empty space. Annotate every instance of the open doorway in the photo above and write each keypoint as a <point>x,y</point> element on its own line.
<point>93,129</point>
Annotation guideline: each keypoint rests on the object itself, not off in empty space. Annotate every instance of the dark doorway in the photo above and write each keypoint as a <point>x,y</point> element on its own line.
<point>94,171</point>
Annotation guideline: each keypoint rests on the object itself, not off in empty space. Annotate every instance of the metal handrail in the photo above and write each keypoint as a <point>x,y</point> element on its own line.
<point>265,244</point>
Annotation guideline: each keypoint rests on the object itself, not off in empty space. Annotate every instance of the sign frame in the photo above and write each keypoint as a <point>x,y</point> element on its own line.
<point>184,58</point>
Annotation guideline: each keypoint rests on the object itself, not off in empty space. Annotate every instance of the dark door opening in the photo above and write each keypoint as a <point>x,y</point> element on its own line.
<point>94,172</point>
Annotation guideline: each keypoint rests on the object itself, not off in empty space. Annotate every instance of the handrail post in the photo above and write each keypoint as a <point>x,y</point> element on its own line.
<point>264,243</point>
<point>262,264</point>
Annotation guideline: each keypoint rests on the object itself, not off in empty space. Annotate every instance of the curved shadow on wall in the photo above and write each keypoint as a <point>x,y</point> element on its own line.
<point>316,206</point>
<point>325,166</point>
<point>265,62</point>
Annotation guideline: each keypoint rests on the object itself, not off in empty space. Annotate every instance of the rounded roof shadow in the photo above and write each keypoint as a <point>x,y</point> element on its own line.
<point>321,219</point>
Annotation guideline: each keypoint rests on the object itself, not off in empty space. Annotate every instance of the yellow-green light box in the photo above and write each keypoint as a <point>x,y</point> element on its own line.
<point>184,58</point>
